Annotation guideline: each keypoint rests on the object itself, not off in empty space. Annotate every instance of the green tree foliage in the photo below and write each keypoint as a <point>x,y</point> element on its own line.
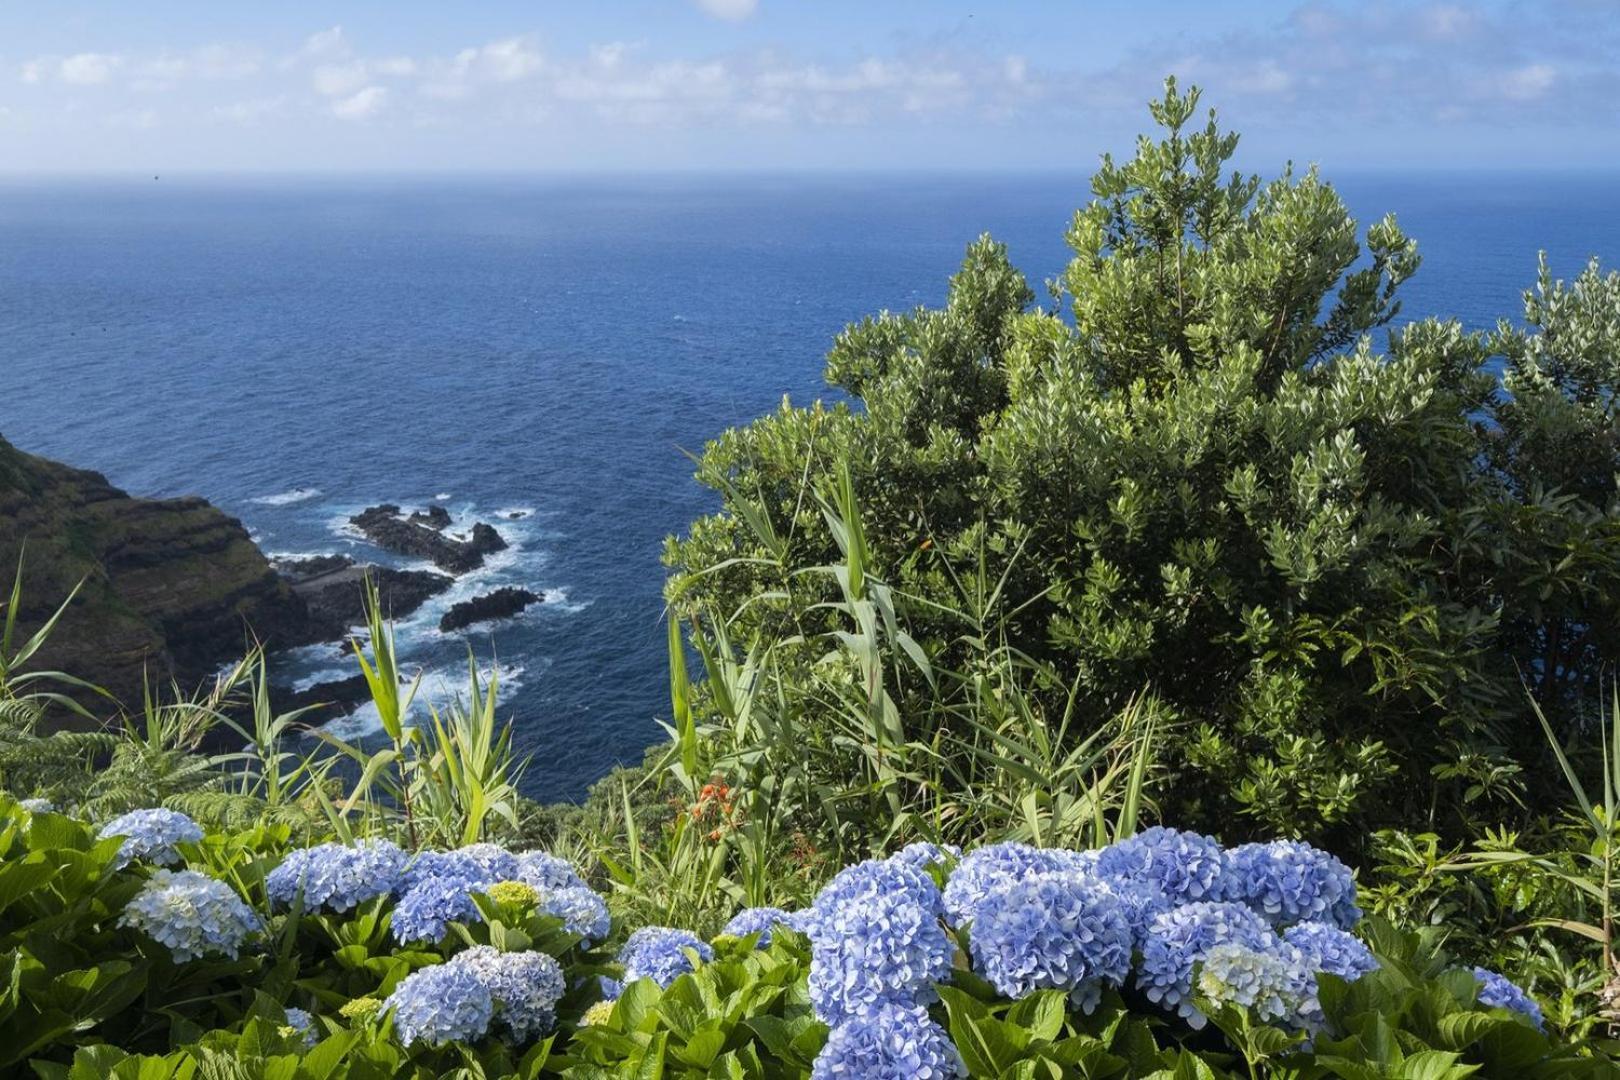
<point>1330,563</point>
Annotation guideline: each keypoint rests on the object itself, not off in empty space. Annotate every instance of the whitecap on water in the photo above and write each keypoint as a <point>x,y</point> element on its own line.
<point>439,687</point>
<point>287,498</point>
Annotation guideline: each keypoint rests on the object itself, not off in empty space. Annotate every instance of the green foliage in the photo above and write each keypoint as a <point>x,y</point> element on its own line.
<point>797,754</point>
<point>1329,565</point>
<point>1416,1017</point>
<point>747,1014</point>
<point>1541,903</point>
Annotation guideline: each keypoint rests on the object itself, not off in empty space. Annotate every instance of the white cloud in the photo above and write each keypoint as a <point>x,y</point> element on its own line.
<point>732,10</point>
<point>395,65</point>
<point>366,103</point>
<point>323,45</point>
<point>1529,82</point>
<point>332,80</point>
<point>510,60</point>
<point>88,69</point>
<point>500,61</point>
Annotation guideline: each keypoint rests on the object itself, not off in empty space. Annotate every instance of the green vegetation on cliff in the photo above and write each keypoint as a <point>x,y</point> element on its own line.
<point>171,586</point>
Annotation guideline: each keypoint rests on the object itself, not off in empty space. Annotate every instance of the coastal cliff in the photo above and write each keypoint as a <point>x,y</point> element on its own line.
<point>173,587</point>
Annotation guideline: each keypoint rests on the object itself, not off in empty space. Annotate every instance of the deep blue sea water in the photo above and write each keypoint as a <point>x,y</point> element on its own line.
<point>296,350</point>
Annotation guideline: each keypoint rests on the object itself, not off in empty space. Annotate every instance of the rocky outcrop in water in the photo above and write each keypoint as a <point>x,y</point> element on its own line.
<point>327,700</point>
<point>333,588</point>
<point>434,517</point>
<point>386,527</point>
<point>502,603</point>
<point>173,587</point>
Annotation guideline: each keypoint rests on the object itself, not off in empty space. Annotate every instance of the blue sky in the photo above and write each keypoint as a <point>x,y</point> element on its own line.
<point>808,84</point>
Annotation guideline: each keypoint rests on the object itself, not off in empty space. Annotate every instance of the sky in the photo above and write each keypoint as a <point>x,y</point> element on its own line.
<point>654,85</point>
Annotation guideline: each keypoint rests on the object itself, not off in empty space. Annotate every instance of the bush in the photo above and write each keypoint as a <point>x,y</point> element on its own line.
<point>1333,566</point>
<point>1052,963</point>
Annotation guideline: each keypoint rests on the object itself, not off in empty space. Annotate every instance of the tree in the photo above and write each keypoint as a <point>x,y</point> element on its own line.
<point>1205,481</point>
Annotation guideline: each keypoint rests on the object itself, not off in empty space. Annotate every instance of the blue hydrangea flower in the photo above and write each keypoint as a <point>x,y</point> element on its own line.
<point>581,910</point>
<point>1052,932</point>
<point>303,1025</point>
<point>441,1004</point>
<point>660,953</point>
<point>1185,866</point>
<point>38,806</point>
<point>758,920</point>
<point>984,869</point>
<point>426,911</point>
<point>1275,984</point>
<point>610,987</point>
<point>1181,937</point>
<point>545,871</point>
<point>336,877</point>
<point>191,913</point>
<point>436,889</point>
<point>1140,902</point>
<point>893,1042</point>
<point>1329,949</point>
<point>923,854</point>
<point>480,865</point>
<point>151,835</point>
<point>524,986</point>
<point>1288,881</point>
<point>1498,992</point>
<point>876,937</point>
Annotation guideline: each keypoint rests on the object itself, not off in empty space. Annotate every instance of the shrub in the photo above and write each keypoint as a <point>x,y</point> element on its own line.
<point>1036,966</point>
<point>1197,473</point>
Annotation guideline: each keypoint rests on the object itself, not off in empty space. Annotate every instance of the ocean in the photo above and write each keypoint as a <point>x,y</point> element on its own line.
<point>541,353</point>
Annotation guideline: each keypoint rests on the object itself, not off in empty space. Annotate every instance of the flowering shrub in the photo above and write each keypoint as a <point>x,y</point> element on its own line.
<point>1052,931</point>
<point>1331,950</point>
<point>892,1042</point>
<point>1288,882</point>
<point>544,870</point>
<point>476,863</point>
<point>877,939</point>
<point>426,910</point>
<point>982,870</point>
<point>301,1026</point>
<point>1026,962</point>
<point>1499,993</point>
<point>1183,867</point>
<point>525,987</point>
<point>582,911</point>
<point>1181,937</point>
<point>661,954</point>
<point>758,920</point>
<point>337,877</point>
<point>1276,985</point>
<point>152,835</point>
<point>192,914</point>
<point>441,1004</point>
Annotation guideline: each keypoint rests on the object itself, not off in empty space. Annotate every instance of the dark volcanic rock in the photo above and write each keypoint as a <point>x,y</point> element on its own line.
<point>333,588</point>
<point>311,566</point>
<point>384,527</point>
<point>485,540</point>
<point>434,517</point>
<point>174,587</point>
<point>328,699</point>
<point>500,604</point>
